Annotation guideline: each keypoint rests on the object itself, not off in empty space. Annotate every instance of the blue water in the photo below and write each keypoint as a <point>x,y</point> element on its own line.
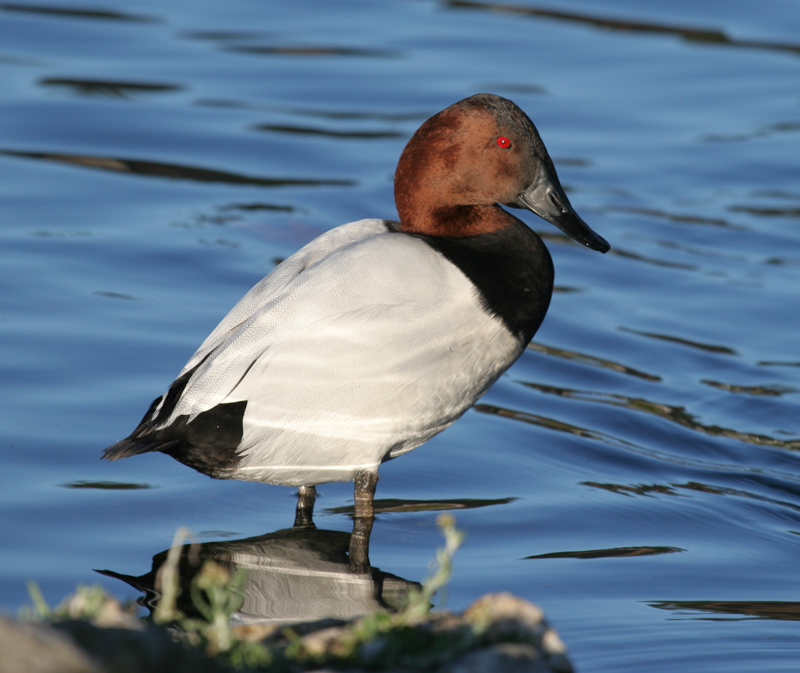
<point>636,473</point>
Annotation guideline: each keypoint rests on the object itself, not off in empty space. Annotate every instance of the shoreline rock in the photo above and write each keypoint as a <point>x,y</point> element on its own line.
<point>498,632</point>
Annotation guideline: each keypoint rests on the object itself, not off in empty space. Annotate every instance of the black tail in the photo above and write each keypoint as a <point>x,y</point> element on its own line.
<point>207,442</point>
<point>146,438</point>
<point>137,442</point>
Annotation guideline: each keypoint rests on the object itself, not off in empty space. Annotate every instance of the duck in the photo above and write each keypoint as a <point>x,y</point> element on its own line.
<point>378,334</point>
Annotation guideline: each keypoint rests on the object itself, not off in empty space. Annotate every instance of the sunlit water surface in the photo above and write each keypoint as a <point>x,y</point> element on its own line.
<point>636,473</point>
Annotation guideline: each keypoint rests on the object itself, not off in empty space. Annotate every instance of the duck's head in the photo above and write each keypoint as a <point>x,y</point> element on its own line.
<point>480,152</point>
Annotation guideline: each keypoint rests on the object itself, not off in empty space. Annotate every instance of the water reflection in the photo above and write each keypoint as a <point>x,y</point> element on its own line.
<point>762,132</point>
<point>157,169</point>
<point>75,12</point>
<point>301,573</point>
<point>669,216</point>
<point>767,211</point>
<point>655,262</point>
<point>707,36</point>
<point>387,505</point>
<point>591,360</point>
<point>550,424</point>
<point>674,413</point>
<point>362,134</point>
<point>253,43</point>
<point>633,489</point>
<point>310,50</point>
<point>695,486</point>
<point>319,113</point>
<point>739,610</point>
<point>772,391</point>
<point>616,552</point>
<point>106,485</point>
<point>112,88</point>
<point>297,574</point>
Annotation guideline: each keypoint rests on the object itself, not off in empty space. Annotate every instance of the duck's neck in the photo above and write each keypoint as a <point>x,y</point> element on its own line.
<point>418,217</point>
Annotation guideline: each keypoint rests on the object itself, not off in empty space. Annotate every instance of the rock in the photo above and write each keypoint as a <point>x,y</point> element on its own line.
<point>506,617</point>
<point>498,632</point>
<point>152,650</point>
<point>322,641</point>
<point>36,648</point>
<point>505,657</point>
<point>502,617</point>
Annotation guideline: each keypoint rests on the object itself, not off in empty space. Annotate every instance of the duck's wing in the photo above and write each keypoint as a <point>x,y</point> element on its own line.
<point>381,342</point>
<point>234,329</point>
<point>278,282</point>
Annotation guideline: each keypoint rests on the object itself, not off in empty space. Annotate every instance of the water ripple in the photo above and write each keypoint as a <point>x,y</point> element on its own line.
<point>673,413</point>
<point>156,169</point>
<point>736,610</point>
<point>708,36</point>
<point>591,360</point>
<point>113,88</point>
<point>616,552</point>
<point>78,13</point>
<point>709,348</point>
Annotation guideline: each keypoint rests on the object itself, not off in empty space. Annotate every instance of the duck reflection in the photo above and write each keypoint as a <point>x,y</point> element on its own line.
<point>733,610</point>
<point>298,574</point>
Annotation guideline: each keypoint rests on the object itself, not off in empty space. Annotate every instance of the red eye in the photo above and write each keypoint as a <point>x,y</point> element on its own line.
<point>503,142</point>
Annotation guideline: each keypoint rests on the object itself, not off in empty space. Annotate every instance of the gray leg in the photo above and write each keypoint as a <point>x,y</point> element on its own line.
<point>365,483</point>
<point>304,514</point>
<point>359,545</point>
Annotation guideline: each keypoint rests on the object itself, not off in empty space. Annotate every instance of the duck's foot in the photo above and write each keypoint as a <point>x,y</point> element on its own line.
<point>364,492</point>
<point>304,514</point>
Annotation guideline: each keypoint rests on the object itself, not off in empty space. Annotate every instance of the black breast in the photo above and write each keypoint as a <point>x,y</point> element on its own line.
<point>510,268</point>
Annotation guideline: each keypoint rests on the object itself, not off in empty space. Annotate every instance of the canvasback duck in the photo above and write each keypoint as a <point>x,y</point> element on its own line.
<point>378,334</point>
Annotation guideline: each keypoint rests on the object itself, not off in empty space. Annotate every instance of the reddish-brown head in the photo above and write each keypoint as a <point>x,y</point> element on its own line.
<point>471,156</point>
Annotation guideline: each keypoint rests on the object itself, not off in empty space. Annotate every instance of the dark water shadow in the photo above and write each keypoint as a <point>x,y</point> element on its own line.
<point>313,50</point>
<point>107,485</point>
<point>706,36</point>
<point>615,552</point>
<point>766,211</point>
<point>708,348</point>
<point>731,610</point>
<point>762,390</point>
<point>110,294</point>
<point>592,361</point>
<point>389,505</point>
<point>329,133</point>
<point>689,487</point>
<point>673,413</point>
<point>316,113</point>
<point>761,132</point>
<point>265,44</point>
<point>155,169</point>
<point>110,88</point>
<point>678,218</point>
<point>77,12</point>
